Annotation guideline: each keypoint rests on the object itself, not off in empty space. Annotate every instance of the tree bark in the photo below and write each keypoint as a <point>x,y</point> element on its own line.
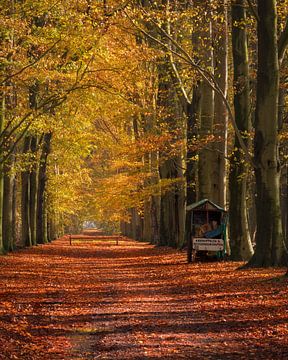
<point>206,125</point>
<point>171,220</point>
<point>33,191</point>
<point>7,207</point>
<point>25,199</point>
<point>219,155</point>
<point>193,120</point>
<point>269,236</point>
<point>41,219</point>
<point>15,217</point>
<point>240,241</point>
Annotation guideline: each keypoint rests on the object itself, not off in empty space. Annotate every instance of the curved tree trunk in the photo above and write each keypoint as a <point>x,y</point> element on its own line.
<point>240,242</point>
<point>269,236</point>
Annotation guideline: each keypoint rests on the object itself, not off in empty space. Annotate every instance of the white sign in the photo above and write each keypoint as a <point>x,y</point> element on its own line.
<point>204,244</point>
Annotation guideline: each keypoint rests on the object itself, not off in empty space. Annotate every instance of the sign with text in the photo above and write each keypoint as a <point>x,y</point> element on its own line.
<point>204,244</point>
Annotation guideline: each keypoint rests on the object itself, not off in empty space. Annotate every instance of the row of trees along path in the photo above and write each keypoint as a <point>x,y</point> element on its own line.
<point>97,300</point>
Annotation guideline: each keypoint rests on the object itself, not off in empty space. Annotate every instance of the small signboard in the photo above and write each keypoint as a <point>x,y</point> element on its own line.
<point>206,244</point>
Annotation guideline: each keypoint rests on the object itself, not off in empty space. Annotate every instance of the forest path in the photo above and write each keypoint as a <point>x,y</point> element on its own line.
<point>97,300</point>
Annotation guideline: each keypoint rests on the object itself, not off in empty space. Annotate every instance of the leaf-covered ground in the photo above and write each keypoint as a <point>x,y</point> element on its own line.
<point>96,300</point>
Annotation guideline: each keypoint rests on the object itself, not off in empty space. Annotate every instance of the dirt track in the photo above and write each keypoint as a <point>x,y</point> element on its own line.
<point>96,300</point>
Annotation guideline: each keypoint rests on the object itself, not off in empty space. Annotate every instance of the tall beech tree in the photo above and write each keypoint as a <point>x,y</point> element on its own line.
<point>220,130</point>
<point>41,217</point>
<point>241,246</point>
<point>269,236</point>
<point>205,166</point>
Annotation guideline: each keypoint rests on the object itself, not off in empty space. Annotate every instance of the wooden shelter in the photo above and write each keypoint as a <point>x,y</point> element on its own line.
<point>208,229</point>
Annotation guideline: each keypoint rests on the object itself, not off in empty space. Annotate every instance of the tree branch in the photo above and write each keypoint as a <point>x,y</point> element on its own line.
<point>205,74</point>
<point>253,10</point>
<point>29,65</point>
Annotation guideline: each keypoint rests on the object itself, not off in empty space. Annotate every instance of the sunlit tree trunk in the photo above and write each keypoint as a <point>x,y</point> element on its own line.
<point>219,188</point>
<point>240,242</point>
<point>193,114</point>
<point>269,236</point>
<point>206,121</point>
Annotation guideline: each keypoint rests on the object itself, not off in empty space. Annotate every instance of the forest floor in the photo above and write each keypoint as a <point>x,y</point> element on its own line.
<point>97,300</point>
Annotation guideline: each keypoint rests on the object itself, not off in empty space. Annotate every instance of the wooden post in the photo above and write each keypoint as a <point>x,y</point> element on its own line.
<point>70,239</point>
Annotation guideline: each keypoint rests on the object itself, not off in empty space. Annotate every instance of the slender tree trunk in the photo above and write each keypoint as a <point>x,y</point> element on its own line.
<point>7,206</point>
<point>220,111</point>
<point>155,200</point>
<point>41,220</point>
<point>193,120</point>
<point>15,218</point>
<point>147,226</point>
<point>206,125</point>
<point>269,236</point>
<point>25,199</point>
<point>169,222</point>
<point>240,242</point>
<point>171,233</point>
<point>33,191</point>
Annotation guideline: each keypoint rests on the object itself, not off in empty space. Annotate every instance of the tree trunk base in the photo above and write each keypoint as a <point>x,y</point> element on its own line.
<point>262,262</point>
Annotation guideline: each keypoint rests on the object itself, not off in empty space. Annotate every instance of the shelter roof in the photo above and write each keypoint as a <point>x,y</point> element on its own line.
<point>200,204</point>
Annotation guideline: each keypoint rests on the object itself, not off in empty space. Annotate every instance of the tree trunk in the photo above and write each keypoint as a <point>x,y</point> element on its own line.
<point>269,236</point>
<point>15,217</point>
<point>25,195</point>
<point>155,200</point>
<point>169,212</point>
<point>7,207</point>
<point>206,125</point>
<point>219,154</point>
<point>169,222</point>
<point>193,114</point>
<point>41,226</point>
<point>240,242</point>
<point>33,192</point>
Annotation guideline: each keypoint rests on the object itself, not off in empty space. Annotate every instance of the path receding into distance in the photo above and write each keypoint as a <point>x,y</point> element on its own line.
<point>97,300</point>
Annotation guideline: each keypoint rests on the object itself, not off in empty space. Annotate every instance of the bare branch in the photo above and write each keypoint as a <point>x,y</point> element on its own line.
<point>205,74</point>
<point>178,78</point>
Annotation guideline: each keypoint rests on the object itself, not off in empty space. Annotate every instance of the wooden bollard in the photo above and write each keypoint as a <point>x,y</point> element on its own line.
<point>70,239</point>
